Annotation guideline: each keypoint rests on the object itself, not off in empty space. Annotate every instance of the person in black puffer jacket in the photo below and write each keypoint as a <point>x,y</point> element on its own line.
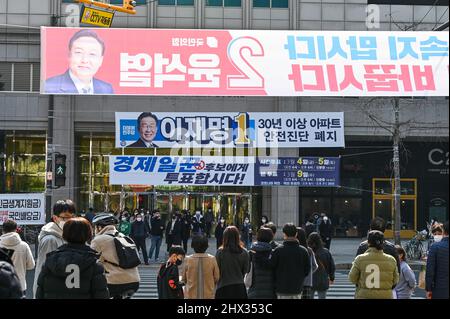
<point>72,271</point>
<point>263,285</point>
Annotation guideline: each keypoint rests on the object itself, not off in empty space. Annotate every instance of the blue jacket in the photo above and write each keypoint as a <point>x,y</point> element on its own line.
<point>436,279</point>
<point>63,84</point>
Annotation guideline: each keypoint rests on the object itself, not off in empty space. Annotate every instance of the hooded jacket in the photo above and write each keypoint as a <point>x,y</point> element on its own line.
<point>22,257</point>
<point>60,269</point>
<point>49,239</point>
<point>263,283</point>
<point>103,243</point>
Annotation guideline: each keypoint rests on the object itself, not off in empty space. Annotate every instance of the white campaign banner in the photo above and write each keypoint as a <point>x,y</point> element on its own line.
<point>24,209</point>
<point>183,170</point>
<point>229,130</point>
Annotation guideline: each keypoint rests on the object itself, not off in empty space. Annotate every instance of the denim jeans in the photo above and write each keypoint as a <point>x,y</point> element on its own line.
<point>156,243</point>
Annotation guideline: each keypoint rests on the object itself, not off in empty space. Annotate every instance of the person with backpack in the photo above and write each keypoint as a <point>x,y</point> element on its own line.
<point>122,282</point>
<point>262,284</point>
<point>324,275</point>
<point>72,271</point>
<point>50,237</point>
<point>22,258</point>
<point>10,287</point>
<point>139,232</point>
<point>201,272</point>
<point>407,282</point>
<point>168,281</point>
<point>307,292</point>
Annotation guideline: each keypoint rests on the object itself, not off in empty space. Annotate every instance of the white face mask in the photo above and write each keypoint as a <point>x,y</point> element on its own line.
<point>246,221</point>
<point>61,224</point>
<point>222,221</point>
<point>437,238</point>
<point>139,219</point>
<point>263,220</point>
<point>124,218</point>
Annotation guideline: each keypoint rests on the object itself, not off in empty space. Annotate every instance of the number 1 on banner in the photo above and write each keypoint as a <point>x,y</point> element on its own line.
<point>242,120</point>
<point>239,52</point>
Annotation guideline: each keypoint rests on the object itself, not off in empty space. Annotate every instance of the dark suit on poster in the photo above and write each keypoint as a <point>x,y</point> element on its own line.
<point>140,144</point>
<point>64,84</point>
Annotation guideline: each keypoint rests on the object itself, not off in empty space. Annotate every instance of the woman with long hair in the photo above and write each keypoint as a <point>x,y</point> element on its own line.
<point>233,261</point>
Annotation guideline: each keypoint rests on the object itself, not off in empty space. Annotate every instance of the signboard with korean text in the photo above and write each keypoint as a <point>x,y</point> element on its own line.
<point>224,171</point>
<point>24,209</point>
<point>99,18</point>
<point>229,130</point>
<point>243,62</point>
<point>298,171</point>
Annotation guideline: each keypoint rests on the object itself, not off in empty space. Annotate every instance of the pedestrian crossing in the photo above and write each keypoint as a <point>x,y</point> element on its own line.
<point>341,288</point>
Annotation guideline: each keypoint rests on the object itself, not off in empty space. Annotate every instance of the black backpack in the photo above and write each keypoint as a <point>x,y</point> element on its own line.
<point>127,252</point>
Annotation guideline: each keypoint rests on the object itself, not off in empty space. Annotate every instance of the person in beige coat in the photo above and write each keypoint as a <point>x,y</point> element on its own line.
<point>122,283</point>
<point>201,272</point>
<point>22,257</point>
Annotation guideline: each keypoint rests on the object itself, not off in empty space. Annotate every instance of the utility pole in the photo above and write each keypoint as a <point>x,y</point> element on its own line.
<point>396,160</point>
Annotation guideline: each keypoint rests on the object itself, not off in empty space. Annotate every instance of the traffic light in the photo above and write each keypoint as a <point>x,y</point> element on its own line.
<point>60,170</point>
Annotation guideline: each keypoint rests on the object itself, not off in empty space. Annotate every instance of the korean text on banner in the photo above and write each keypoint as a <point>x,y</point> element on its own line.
<point>24,209</point>
<point>229,130</point>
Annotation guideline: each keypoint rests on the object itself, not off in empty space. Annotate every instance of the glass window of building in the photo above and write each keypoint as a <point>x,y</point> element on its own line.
<point>224,3</point>
<point>270,3</point>
<point>21,77</point>
<point>176,2</point>
<point>22,157</point>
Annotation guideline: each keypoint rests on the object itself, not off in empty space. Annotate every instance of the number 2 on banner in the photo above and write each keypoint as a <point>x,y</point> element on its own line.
<point>239,50</point>
<point>242,120</point>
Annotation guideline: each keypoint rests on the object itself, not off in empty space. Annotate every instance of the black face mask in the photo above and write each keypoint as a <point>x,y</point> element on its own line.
<point>178,262</point>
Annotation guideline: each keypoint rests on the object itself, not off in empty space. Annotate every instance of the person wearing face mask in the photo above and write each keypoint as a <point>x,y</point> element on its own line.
<point>139,232</point>
<point>218,233</point>
<point>169,285</point>
<point>264,220</point>
<point>156,233</point>
<point>51,235</point>
<point>186,228</point>
<point>436,231</point>
<point>246,233</point>
<point>124,225</point>
<point>326,230</point>
<point>174,231</point>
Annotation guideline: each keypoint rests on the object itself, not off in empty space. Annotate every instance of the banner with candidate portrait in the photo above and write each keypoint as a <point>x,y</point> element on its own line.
<point>243,62</point>
<point>224,171</point>
<point>229,130</point>
<point>24,209</point>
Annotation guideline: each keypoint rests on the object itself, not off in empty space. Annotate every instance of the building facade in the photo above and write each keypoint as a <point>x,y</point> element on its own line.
<point>83,126</point>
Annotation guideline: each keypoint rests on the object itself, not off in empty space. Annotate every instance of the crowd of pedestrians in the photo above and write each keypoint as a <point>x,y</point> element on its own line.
<point>97,256</point>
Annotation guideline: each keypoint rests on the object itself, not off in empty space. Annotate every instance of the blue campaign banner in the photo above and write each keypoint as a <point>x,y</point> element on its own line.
<point>298,171</point>
<point>229,130</point>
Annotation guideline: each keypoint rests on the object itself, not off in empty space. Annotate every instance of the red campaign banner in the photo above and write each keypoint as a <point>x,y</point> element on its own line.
<point>243,62</point>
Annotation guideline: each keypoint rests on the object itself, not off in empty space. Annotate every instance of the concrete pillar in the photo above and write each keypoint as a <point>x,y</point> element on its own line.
<point>63,140</point>
<point>281,204</point>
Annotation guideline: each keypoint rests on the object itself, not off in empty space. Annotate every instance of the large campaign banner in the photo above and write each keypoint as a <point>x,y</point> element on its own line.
<point>243,62</point>
<point>224,171</point>
<point>229,130</point>
<point>24,209</point>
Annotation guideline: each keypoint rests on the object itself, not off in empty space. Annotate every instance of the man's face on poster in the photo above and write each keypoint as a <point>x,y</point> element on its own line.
<point>148,129</point>
<point>85,58</point>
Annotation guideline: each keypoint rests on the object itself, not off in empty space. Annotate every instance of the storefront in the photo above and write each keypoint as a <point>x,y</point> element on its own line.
<point>367,187</point>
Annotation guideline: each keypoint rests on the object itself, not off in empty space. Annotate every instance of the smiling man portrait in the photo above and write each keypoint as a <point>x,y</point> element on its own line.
<point>86,51</point>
